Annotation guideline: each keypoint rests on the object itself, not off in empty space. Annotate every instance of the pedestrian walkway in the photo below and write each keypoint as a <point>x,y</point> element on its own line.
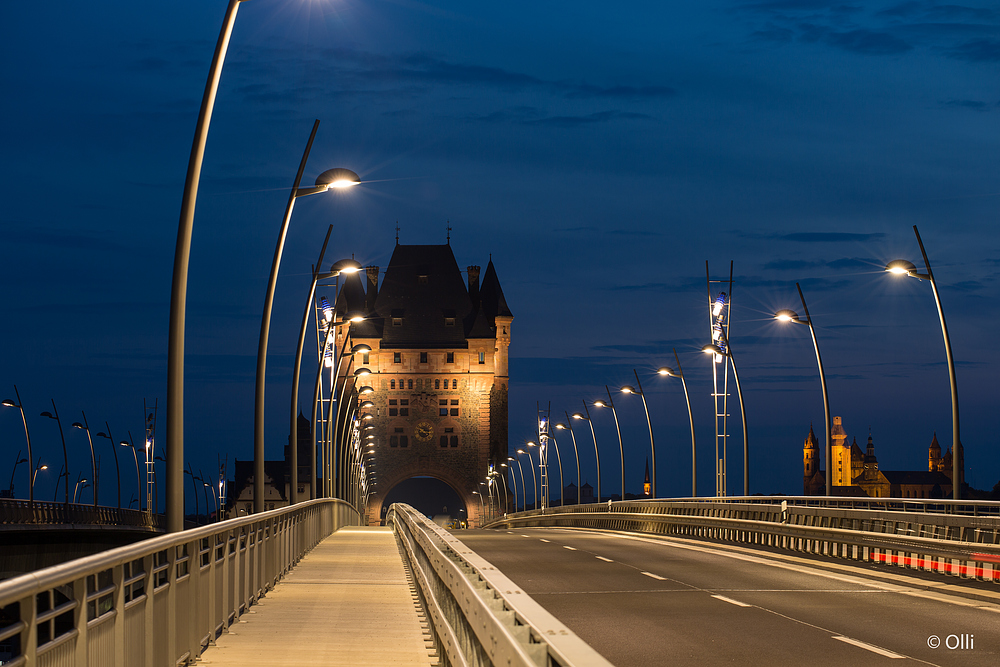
<point>348,602</point>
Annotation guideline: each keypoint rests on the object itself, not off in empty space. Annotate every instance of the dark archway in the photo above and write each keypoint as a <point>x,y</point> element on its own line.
<point>429,496</point>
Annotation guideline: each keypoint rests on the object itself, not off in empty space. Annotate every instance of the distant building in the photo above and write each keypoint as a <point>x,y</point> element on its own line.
<point>857,473</point>
<point>240,488</point>
<point>438,365</point>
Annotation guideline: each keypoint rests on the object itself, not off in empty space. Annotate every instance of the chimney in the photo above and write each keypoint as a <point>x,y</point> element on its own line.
<point>474,285</point>
<point>371,289</point>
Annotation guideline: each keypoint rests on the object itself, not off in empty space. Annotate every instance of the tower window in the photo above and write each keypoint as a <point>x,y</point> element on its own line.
<point>454,440</point>
<point>392,384</point>
<point>421,280</point>
<point>482,357</point>
<point>423,357</point>
<point>449,321</point>
<point>397,357</point>
<point>397,321</point>
<point>454,384</point>
<point>404,441</point>
<point>364,358</point>
<point>451,357</point>
<point>437,384</point>
<point>409,384</point>
<point>444,441</point>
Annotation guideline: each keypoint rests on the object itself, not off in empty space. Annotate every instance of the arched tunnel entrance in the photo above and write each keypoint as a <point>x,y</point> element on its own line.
<point>429,496</point>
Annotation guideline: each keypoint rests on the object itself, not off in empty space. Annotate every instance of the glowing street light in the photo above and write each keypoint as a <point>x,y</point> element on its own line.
<point>524,488</point>
<point>586,417</point>
<point>628,389</point>
<point>62,437</point>
<point>534,485</point>
<point>679,373</point>
<point>791,316</point>
<point>38,467</point>
<point>621,447</point>
<point>82,484</point>
<point>903,267</point>
<point>17,404</point>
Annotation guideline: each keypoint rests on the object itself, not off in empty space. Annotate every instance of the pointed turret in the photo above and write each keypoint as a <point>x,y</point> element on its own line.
<point>934,455</point>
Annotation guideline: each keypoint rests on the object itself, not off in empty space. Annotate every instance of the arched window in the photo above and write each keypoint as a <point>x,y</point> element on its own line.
<point>392,384</point>
<point>454,384</point>
<point>437,384</point>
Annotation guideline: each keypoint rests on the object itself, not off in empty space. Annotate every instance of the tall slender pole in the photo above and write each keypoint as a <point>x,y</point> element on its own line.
<point>62,437</point>
<point>826,399</point>
<point>743,419</point>
<point>534,484</point>
<point>27,436</point>
<point>572,435</point>
<point>621,447</point>
<point>523,488</point>
<point>114,450</point>
<point>562,485</point>
<point>178,290</point>
<point>93,460</point>
<point>293,428</point>
<point>597,453</point>
<point>652,447</point>
<point>265,326</point>
<point>138,478</point>
<point>694,455</point>
<point>957,452</point>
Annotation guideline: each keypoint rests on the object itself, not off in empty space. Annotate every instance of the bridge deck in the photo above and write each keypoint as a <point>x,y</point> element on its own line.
<point>348,602</point>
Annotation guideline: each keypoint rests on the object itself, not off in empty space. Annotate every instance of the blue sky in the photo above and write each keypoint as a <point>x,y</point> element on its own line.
<point>600,154</point>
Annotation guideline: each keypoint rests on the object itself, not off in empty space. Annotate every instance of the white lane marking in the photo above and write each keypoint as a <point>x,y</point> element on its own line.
<point>654,576</point>
<point>606,560</point>
<point>570,548</point>
<point>542,540</point>
<point>525,535</point>
<point>869,647</point>
<point>731,601</point>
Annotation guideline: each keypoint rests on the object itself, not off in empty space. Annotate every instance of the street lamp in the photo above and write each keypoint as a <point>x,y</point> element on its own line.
<point>114,450</point>
<point>93,463</point>
<point>17,461</point>
<point>534,485</point>
<point>38,467</point>
<point>718,353</point>
<point>903,267</point>
<point>138,478</point>
<point>81,484</point>
<point>62,437</point>
<point>12,404</point>
<point>482,510</point>
<point>593,434</point>
<point>786,315</point>
<point>178,290</point>
<point>524,488</point>
<point>628,389</point>
<point>621,447</point>
<point>330,179</point>
<point>679,373</point>
<point>568,427</point>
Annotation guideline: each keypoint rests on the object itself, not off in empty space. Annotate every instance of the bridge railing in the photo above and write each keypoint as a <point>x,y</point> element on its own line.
<point>479,616</point>
<point>950,537</point>
<point>18,513</point>
<point>159,602</point>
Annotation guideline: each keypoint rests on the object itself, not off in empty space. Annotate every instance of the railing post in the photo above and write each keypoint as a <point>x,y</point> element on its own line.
<point>79,616</point>
<point>118,578</point>
<point>147,610</point>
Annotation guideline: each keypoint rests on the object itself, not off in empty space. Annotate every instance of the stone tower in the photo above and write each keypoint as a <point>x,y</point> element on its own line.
<point>810,463</point>
<point>439,368</point>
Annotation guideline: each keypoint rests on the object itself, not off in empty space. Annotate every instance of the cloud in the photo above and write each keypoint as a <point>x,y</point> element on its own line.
<point>977,50</point>
<point>790,265</point>
<point>974,105</point>
<point>587,119</point>
<point>860,41</point>
<point>829,237</point>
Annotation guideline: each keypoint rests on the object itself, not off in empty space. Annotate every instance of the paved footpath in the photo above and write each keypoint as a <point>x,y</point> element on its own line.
<point>348,602</point>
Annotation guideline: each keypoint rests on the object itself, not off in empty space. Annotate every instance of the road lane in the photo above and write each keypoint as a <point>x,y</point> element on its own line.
<point>648,601</point>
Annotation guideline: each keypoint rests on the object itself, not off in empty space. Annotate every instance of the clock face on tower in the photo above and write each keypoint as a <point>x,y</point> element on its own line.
<point>423,431</point>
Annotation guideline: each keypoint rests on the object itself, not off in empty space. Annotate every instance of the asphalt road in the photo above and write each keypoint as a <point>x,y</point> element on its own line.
<point>650,601</point>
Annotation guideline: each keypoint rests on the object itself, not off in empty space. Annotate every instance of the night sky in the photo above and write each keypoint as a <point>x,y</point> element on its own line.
<point>600,153</point>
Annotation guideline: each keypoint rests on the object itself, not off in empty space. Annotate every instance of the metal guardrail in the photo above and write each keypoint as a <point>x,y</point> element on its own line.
<point>21,514</point>
<point>159,602</point>
<point>951,537</point>
<point>480,617</point>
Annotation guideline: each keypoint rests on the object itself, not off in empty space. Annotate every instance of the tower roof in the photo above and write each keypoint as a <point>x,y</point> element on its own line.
<point>423,298</point>
<point>934,444</point>
<point>811,442</point>
<point>491,295</point>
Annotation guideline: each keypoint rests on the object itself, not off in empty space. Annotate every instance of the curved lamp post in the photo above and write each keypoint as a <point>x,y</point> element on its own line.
<point>93,463</point>
<point>482,510</point>
<point>679,373</point>
<point>17,461</point>
<point>903,267</point>
<point>12,404</point>
<point>501,481</point>
<point>568,426</point>
<point>628,389</point>
<point>786,315</point>
<point>330,179</point>
<point>534,485</point>
<point>62,437</point>
<point>34,474</point>
<point>82,484</point>
<point>114,450</point>
<point>178,289</point>
<point>138,478</point>
<point>716,350</point>
<point>621,447</point>
<point>593,434</point>
<point>523,487</point>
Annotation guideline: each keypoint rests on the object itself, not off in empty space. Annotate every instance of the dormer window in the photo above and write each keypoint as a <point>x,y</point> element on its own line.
<point>449,321</point>
<point>422,280</point>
